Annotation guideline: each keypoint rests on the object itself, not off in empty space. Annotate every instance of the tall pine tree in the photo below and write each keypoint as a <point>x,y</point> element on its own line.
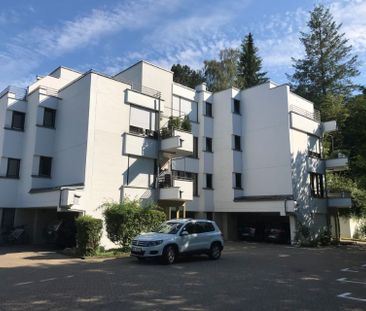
<point>328,66</point>
<point>250,64</point>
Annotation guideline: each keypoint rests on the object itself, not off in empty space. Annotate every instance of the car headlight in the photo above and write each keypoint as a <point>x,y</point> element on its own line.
<point>154,243</point>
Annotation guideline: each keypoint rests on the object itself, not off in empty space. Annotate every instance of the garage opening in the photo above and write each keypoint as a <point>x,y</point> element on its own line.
<point>263,227</point>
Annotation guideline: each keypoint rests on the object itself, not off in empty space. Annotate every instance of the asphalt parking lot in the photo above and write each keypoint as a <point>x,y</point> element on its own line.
<point>247,277</point>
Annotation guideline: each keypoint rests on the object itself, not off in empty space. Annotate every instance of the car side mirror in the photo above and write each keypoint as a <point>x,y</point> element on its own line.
<point>184,233</point>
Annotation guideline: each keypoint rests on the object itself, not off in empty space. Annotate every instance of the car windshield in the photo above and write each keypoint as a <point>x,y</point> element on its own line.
<point>169,227</point>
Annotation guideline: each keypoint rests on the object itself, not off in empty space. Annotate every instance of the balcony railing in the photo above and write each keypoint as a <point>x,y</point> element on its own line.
<point>314,154</point>
<point>307,114</point>
<point>143,132</point>
<point>166,180</point>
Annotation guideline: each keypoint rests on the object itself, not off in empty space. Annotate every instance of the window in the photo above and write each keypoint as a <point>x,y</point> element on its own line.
<point>49,117</point>
<point>45,166</point>
<point>17,121</point>
<point>208,144</point>
<point>237,181</point>
<point>13,168</point>
<point>143,122</point>
<point>206,227</point>
<point>209,181</point>
<point>237,143</point>
<point>208,110</point>
<point>195,184</point>
<point>236,106</point>
<point>195,148</point>
<point>317,185</point>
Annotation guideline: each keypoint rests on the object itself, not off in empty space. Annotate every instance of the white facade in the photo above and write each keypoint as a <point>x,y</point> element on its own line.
<point>252,154</point>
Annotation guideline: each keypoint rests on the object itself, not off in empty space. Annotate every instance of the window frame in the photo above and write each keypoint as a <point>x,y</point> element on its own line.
<point>209,177</point>
<point>41,174</point>
<point>210,114</point>
<point>16,176</point>
<point>237,106</point>
<point>208,139</point>
<point>238,177</point>
<point>237,147</point>
<point>52,125</point>
<point>19,113</point>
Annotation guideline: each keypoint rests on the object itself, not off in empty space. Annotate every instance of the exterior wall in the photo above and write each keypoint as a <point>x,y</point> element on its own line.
<point>266,150</point>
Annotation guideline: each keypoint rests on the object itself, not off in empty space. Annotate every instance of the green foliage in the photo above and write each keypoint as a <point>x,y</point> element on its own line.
<point>222,74</point>
<point>186,124</point>
<point>174,123</point>
<point>129,218</point>
<point>355,138</point>
<point>328,66</point>
<point>306,238</point>
<point>250,64</point>
<point>88,234</point>
<point>341,183</point>
<point>183,74</point>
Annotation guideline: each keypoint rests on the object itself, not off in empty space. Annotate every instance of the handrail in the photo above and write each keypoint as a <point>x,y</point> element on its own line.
<point>311,115</point>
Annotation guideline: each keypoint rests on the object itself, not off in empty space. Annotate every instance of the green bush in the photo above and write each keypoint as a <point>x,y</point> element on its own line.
<point>127,219</point>
<point>88,234</point>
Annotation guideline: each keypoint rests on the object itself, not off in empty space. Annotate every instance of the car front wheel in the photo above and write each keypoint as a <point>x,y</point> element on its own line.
<point>215,251</point>
<point>169,255</point>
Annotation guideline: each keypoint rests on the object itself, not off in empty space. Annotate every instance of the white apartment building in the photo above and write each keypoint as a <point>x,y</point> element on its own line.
<point>72,141</point>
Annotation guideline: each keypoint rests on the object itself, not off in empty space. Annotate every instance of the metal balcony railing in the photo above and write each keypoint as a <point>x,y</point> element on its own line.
<point>307,114</point>
<point>166,179</point>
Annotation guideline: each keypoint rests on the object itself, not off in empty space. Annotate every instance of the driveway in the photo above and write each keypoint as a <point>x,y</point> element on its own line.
<point>247,277</point>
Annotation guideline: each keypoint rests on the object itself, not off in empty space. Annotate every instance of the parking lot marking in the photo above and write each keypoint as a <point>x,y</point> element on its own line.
<point>347,296</point>
<point>349,270</point>
<point>344,280</point>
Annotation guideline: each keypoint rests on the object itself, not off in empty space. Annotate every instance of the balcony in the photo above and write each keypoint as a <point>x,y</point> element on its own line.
<point>339,200</point>
<point>305,121</point>
<point>330,126</point>
<point>338,164</point>
<point>176,143</point>
<point>173,188</point>
<point>140,145</point>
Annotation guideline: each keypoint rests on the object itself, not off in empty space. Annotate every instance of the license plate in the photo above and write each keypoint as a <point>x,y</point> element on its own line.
<point>136,249</point>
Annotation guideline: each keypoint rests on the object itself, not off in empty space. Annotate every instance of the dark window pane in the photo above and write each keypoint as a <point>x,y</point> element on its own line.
<point>236,106</point>
<point>13,168</point>
<point>45,166</point>
<point>208,109</point>
<point>208,144</point>
<point>195,147</point>
<point>195,184</point>
<point>238,180</point>
<point>17,121</point>
<point>209,181</point>
<point>237,143</point>
<point>49,117</point>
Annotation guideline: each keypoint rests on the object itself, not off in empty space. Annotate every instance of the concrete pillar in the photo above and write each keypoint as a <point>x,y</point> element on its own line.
<point>184,209</point>
<point>292,219</point>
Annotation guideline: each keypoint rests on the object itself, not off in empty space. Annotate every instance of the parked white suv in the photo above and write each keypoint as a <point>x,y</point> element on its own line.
<point>179,236</point>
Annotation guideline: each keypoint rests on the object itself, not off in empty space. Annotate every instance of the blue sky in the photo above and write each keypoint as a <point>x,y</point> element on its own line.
<point>37,35</point>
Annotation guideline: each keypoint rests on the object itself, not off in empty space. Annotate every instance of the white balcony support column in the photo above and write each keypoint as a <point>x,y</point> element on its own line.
<point>292,228</point>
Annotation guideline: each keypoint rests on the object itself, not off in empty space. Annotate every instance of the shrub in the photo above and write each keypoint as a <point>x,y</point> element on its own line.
<point>129,218</point>
<point>186,124</point>
<point>88,234</point>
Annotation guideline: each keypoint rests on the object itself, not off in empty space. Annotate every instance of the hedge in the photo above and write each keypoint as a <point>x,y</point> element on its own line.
<point>88,234</point>
<point>129,218</point>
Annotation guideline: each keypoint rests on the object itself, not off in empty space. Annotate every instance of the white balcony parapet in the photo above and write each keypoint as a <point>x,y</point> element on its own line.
<point>178,143</point>
<point>339,164</point>
<point>339,200</point>
<point>329,126</point>
<point>175,189</point>
<point>141,146</point>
